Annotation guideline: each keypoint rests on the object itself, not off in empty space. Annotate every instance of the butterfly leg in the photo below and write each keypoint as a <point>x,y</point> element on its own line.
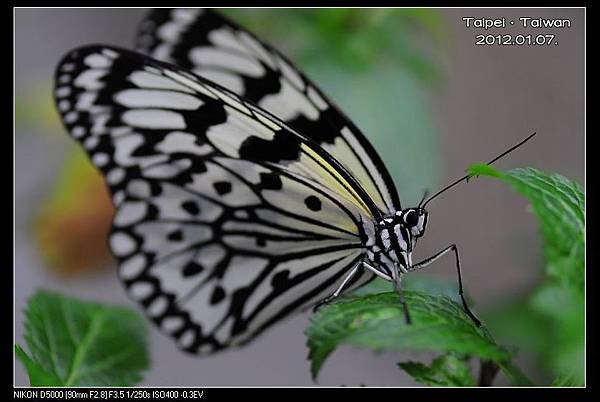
<point>376,271</point>
<point>339,290</point>
<point>432,259</point>
<point>395,277</point>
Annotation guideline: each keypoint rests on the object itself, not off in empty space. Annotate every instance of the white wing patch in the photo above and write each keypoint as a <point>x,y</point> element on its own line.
<point>154,118</point>
<point>289,104</point>
<point>143,98</point>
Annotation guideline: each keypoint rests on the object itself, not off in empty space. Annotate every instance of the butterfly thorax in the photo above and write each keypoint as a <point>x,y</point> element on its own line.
<point>394,239</point>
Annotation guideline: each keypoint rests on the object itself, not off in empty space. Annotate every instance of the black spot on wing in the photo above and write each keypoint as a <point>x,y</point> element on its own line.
<point>255,89</point>
<point>281,279</point>
<point>211,113</point>
<point>270,181</point>
<point>192,268</point>
<point>155,188</point>
<point>323,130</point>
<point>218,295</point>
<point>153,212</point>
<point>283,147</point>
<point>222,187</point>
<point>191,207</point>
<point>317,129</point>
<point>313,203</point>
<point>176,235</point>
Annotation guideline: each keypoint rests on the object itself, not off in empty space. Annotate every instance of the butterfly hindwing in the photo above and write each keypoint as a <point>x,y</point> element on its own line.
<point>227,218</point>
<point>220,50</point>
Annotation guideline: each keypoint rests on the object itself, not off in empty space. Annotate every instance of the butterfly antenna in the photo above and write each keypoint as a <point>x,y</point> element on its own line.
<point>425,194</point>
<point>468,176</point>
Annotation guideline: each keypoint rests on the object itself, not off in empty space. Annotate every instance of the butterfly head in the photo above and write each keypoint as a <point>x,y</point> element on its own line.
<point>399,232</point>
<point>414,221</point>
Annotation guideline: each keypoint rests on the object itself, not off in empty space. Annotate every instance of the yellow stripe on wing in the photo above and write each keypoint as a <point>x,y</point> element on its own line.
<point>337,179</point>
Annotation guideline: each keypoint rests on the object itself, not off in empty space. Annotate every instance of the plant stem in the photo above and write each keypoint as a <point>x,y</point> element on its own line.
<point>487,372</point>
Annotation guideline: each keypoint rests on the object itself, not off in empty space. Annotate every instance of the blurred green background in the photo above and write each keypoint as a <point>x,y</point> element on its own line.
<point>431,102</point>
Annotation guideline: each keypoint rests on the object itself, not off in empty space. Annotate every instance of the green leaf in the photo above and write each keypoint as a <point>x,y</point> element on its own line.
<point>563,308</point>
<point>377,322</point>
<point>38,376</point>
<point>551,322</point>
<point>566,381</point>
<point>446,370</point>
<point>559,205</point>
<point>79,343</point>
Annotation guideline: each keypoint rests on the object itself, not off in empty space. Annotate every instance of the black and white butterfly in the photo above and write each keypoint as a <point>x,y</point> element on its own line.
<point>242,193</point>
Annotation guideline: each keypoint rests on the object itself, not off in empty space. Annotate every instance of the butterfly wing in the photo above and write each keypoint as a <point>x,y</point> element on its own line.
<point>221,51</point>
<point>227,219</point>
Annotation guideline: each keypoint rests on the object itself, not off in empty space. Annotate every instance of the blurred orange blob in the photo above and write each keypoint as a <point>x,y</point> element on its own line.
<point>72,228</point>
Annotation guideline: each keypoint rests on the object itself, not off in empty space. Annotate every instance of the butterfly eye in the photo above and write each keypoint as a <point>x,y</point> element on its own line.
<point>411,219</point>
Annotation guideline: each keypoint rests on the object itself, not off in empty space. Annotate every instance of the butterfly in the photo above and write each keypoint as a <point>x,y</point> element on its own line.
<point>242,193</point>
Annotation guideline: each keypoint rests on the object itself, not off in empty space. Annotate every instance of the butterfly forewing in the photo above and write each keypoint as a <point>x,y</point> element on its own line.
<point>227,218</point>
<point>220,50</point>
